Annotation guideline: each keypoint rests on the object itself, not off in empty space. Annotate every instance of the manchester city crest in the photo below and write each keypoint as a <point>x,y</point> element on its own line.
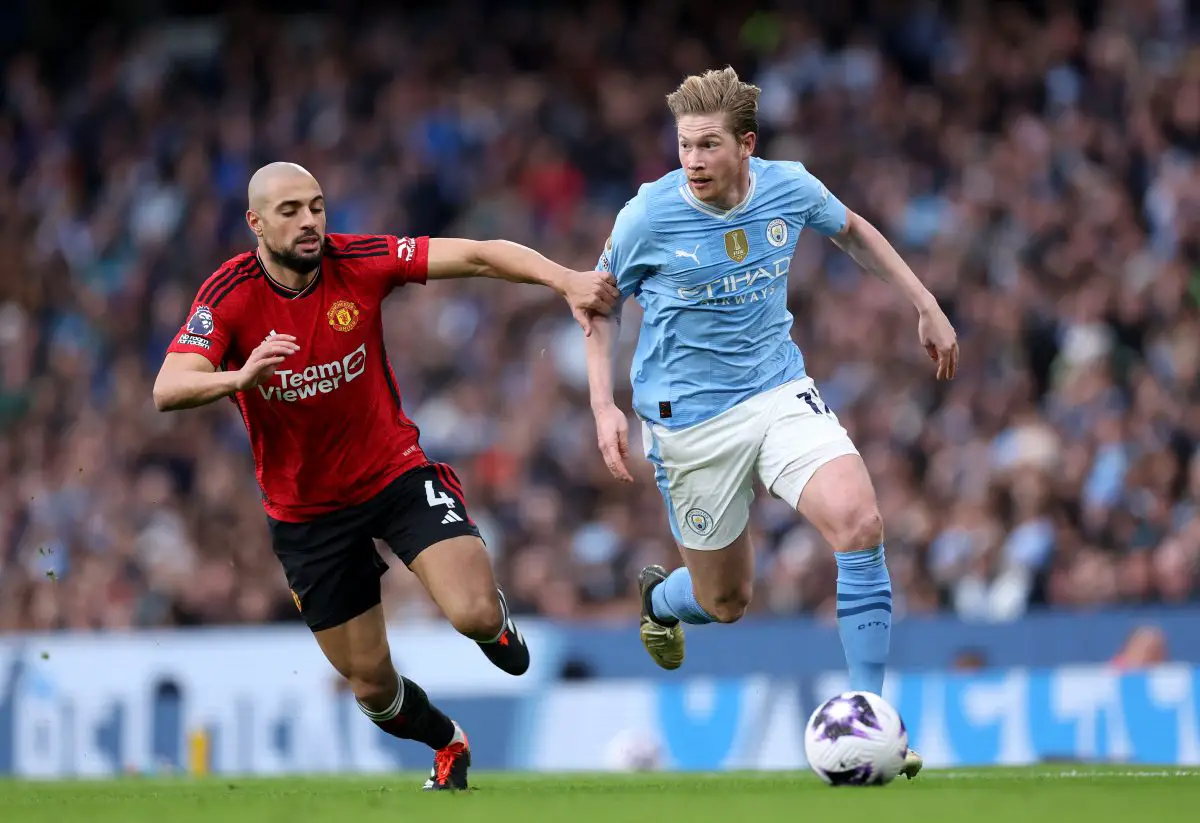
<point>699,521</point>
<point>777,232</point>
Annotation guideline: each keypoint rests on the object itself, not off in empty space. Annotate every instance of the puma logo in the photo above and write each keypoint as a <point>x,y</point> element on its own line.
<point>694,253</point>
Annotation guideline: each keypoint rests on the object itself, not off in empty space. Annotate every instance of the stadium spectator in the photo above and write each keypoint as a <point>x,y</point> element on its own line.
<point>1040,173</point>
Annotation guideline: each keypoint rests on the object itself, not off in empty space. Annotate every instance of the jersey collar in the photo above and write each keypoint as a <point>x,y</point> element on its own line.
<point>282,290</point>
<point>713,211</point>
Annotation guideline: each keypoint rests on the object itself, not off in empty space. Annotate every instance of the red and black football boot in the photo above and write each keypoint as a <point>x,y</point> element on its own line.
<point>450,764</point>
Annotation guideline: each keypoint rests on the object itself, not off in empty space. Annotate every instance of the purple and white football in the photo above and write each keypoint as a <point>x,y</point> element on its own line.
<point>856,739</point>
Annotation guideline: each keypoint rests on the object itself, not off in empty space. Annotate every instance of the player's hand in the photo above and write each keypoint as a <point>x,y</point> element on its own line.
<point>612,434</point>
<point>260,365</point>
<point>940,340</point>
<point>588,293</point>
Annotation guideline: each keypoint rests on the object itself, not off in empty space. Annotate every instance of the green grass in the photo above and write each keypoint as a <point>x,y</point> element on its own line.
<point>1051,794</point>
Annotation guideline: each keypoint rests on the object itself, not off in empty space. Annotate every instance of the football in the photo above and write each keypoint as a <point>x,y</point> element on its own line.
<point>856,739</point>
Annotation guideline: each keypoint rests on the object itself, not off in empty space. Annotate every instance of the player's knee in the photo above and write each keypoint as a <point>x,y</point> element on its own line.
<point>730,605</point>
<point>478,618</point>
<point>374,686</point>
<point>861,528</point>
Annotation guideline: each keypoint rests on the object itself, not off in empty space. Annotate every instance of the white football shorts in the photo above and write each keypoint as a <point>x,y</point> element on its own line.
<point>706,472</point>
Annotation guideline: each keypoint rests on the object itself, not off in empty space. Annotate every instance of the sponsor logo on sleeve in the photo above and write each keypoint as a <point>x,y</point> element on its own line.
<point>406,247</point>
<point>201,322</point>
<point>186,339</point>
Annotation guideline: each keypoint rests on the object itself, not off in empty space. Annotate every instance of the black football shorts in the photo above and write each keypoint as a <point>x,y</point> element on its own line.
<point>331,563</point>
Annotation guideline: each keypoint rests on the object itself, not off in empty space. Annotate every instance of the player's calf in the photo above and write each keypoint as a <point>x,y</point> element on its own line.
<point>401,708</point>
<point>729,603</point>
<point>410,715</point>
<point>840,501</point>
<point>358,649</point>
<point>715,587</point>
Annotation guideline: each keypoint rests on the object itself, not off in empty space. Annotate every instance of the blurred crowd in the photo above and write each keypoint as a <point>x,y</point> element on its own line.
<point>1038,169</point>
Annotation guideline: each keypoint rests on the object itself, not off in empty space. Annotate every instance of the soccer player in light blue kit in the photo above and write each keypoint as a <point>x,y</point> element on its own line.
<point>720,387</point>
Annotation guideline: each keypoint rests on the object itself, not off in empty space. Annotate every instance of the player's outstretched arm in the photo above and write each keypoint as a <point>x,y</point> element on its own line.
<point>612,428</point>
<point>187,380</point>
<point>587,293</point>
<point>871,250</point>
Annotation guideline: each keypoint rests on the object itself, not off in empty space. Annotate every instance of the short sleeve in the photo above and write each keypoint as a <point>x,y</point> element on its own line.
<point>207,331</point>
<point>820,209</point>
<point>410,259</point>
<point>387,259</point>
<point>629,251</point>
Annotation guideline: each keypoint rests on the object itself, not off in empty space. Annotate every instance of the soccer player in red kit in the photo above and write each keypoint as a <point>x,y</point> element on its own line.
<point>292,332</point>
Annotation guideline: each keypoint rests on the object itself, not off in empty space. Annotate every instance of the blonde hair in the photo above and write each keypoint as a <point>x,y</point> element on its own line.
<point>718,91</point>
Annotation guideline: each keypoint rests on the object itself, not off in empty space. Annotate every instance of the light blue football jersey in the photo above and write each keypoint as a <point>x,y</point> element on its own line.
<point>716,329</point>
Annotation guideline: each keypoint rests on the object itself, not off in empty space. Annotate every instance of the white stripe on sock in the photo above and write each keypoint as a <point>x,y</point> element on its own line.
<point>388,713</point>
<point>504,620</point>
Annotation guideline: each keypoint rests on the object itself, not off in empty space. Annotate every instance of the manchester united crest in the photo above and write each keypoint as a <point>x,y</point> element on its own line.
<point>343,315</point>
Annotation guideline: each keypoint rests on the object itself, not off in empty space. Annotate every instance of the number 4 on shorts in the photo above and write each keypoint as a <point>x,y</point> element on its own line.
<point>436,498</point>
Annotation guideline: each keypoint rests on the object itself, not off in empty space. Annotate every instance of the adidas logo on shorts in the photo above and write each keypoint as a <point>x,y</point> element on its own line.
<point>451,517</point>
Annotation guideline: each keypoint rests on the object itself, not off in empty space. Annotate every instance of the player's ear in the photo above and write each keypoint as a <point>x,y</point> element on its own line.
<point>747,143</point>
<point>254,222</point>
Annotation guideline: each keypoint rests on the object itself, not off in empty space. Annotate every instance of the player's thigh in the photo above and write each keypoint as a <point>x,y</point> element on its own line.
<point>705,474</point>
<point>839,500</point>
<point>723,579</point>
<point>457,573</point>
<point>809,461</point>
<point>331,567</point>
<point>425,522</point>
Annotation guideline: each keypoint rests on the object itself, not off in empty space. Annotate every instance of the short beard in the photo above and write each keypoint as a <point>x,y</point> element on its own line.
<point>295,261</point>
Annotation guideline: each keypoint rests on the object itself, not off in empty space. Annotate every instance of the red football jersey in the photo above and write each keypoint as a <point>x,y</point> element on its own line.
<point>328,429</point>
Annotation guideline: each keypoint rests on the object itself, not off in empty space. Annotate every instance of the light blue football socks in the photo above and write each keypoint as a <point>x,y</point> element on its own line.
<point>673,599</point>
<point>864,615</point>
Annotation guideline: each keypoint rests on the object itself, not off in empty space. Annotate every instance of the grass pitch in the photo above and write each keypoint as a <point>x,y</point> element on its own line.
<point>1050,794</point>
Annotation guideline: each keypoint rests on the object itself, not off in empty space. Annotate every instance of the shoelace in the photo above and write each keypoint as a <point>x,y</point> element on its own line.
<point>657,632</point>
<point>445,759</point>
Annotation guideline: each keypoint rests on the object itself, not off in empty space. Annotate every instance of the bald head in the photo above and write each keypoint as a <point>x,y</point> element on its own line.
<point>287,213</point>
<point>272,178</point>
